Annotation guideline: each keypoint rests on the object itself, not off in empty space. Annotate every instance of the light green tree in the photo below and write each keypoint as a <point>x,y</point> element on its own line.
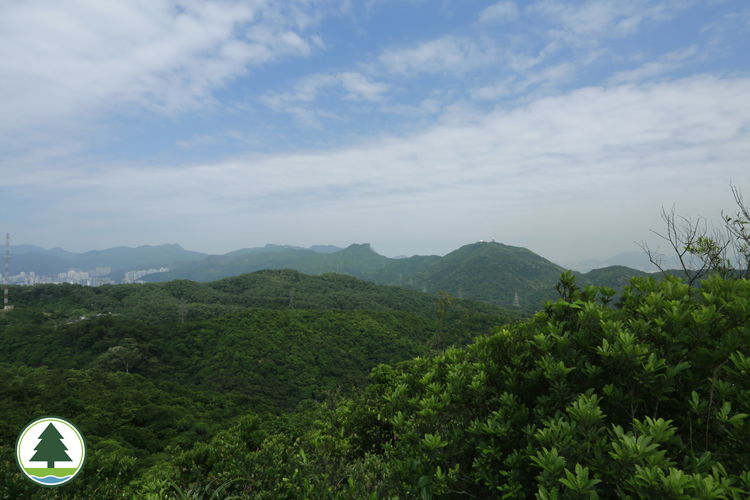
<point>124,355</point>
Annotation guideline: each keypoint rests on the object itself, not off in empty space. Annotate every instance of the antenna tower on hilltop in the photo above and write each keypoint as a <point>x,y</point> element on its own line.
<point>7,262</point>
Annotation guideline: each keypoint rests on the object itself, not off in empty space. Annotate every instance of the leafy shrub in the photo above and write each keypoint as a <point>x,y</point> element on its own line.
<point>585,401</point>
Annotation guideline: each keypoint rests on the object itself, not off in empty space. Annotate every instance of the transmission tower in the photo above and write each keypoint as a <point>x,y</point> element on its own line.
<point>515,301</point>
<point>460,293</point>
<point>291,298</point>
<point>182,310</point>
<point>7,262</point>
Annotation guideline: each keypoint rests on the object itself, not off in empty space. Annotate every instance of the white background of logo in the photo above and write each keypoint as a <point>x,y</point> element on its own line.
<point>70,438</point>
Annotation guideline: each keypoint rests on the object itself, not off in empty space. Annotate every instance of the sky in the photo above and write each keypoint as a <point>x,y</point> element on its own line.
<point>416,126</point>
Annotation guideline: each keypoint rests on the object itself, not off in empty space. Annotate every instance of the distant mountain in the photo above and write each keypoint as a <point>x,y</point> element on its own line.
<point>282,248</point>
<point>633,260</point>
<point>142,257</point>
<point>325,248</point>
<point>356,260</point>
<point>57,251</point>
<point>20,249</point>
<point>614,276</point>
<point>487,271</point>
<point>39,264</point>
<point>268,248</point>
<point>30,258</point>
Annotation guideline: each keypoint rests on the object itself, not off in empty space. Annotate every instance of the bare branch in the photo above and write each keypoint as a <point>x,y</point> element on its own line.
<point>702,251</point>
<point>738,229</point>
<point>654,257</point>
<point>683,235</point>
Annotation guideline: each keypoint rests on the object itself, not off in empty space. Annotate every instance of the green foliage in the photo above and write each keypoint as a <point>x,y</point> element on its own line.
<point>284,356</point>
<point>485,271</point>
<point>104,476</point>
<point>491,272</point>
<point>119,414</point>
<point>159,303</point>
<point>649,400</point>
<point>583,401</point>
<point>126,355</point>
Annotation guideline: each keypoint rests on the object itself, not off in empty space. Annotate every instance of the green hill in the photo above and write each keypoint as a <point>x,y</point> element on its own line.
<point>355,260</point>
<point>651,397</point>
<point>155,303</point>
<point>485,271</point>
<point>491,272</point>
<point>614,276</point>
<point>279,356</point>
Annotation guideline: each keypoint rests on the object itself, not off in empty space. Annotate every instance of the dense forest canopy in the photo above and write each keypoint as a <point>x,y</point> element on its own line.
<point>277,384</point>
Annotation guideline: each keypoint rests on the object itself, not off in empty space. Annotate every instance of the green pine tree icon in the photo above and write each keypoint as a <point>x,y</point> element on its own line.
<point>51,448</point>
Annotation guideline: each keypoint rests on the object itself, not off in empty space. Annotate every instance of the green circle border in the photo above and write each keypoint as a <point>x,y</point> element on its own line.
<point>78,431</point>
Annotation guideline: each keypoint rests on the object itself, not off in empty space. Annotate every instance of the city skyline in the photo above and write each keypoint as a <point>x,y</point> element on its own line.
<point>76,276</point>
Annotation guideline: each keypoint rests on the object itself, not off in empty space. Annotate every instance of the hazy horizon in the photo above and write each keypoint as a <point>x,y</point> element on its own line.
<point>627,255</point>
<point>559,126</point>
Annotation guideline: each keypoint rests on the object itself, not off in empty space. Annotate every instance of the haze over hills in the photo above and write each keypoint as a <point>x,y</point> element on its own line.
<point>488,271</point>
<point>31,258</point>
<point>633,260</point>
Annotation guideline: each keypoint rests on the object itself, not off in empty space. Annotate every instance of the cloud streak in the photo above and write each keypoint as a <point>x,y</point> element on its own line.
<point>586,23</point>
<point>64,61</point>
<point>356,86</point>
<point>449,54</point>
<point>612,146</point>
<point>396,123</point>
<point>501,11</point>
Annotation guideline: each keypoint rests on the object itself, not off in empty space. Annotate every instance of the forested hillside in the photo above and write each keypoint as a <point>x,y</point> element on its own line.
<point>277,384</point>
<point>649,399</point>
<point>271,289</point>
<point>283,356</point>
<point>148,370</point>
<point>486,271</point>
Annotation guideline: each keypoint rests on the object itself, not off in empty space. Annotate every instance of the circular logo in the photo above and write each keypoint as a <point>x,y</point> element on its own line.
<point>50,451</point>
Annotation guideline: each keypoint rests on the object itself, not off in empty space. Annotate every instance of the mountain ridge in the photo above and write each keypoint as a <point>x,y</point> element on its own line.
<point>492,272</point>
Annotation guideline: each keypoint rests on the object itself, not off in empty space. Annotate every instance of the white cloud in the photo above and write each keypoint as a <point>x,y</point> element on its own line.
<point>728,23</point>
<point>585,23</point>
<point>360,87</point>
<point>449,54</point>
<point>67,60</point>
<point>664,64</point>
<point>306,90</point>
<point>220,138</point>
<point>427,107</point>
<point>595,157</point>
<point>551,76</point>
<point>501,11</point>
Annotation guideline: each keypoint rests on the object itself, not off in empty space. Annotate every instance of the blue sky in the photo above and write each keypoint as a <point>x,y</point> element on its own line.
<point>416,126</point>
